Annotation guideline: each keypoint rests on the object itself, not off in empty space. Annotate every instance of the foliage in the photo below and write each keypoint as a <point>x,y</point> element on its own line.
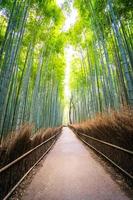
<point>32,60</point>
<point>101,70</point>
<point>32,64</point>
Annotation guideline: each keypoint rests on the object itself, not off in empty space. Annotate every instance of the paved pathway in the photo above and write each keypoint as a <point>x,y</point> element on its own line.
<point>69,172</point>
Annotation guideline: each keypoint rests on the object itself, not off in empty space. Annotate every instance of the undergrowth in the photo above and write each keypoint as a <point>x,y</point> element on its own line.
<point>115,128</point>
<point>20,141</point>
<point>17,144</point>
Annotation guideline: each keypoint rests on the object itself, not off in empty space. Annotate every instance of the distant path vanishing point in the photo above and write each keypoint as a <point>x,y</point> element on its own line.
<point>69,172</point>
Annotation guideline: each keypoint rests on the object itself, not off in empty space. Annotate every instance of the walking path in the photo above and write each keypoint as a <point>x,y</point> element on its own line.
<point>69,172</point>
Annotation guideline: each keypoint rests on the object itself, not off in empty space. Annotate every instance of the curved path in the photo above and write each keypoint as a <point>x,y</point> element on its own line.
<point>70,173</point>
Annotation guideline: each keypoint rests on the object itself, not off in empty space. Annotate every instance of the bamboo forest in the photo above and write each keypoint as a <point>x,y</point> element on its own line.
<point>65,63</point>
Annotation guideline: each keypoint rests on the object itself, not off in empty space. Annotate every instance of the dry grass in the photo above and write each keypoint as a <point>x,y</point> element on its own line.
<point>21,141</point>
<point>16,144</point>
<point>117,129</point>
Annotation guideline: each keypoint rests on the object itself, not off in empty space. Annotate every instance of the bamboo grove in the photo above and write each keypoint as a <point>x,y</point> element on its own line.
<point>102,67</point>
<point>32,60</point>
<point>31,64</point>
